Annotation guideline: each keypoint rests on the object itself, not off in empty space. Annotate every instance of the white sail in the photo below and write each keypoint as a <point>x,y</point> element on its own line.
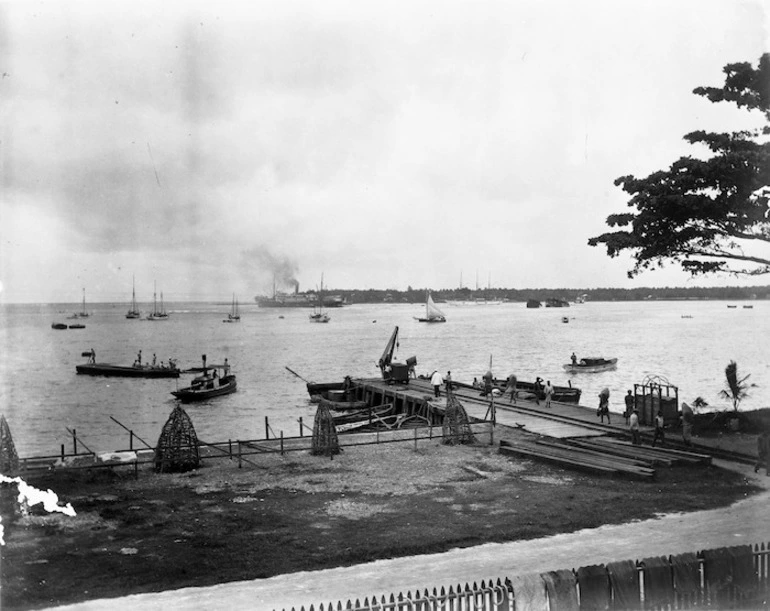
<point>431,310</point>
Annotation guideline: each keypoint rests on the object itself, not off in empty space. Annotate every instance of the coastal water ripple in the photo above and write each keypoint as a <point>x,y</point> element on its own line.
<point>41,396</point>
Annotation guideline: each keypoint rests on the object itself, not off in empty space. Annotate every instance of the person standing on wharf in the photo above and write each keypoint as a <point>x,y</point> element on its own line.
<point>437,381</point>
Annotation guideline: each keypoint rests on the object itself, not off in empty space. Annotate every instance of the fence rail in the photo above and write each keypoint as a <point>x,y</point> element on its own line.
<point>724,578</point>
<point>241,450</point>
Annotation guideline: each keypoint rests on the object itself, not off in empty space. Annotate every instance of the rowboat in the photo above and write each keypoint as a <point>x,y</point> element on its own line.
<point>342,405</point>
<point>347,421</point>
<point>591,365</point>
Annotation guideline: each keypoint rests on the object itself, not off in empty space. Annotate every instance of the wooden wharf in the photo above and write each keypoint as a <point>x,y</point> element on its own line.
<point>560,420</point>
<point>566,434</point>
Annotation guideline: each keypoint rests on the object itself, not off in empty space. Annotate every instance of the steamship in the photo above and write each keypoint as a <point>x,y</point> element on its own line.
<point>298,300</point>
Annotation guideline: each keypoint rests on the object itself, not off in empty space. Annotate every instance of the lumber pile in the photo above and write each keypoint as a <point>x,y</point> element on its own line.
<point>572,457</point>
<point>662,456</point>
<point>602,455</point>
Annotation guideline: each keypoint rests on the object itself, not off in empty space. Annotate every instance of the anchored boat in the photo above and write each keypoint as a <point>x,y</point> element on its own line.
<point>234,315</point>
<point>591,365</point>
<point>133,311</point>
<point>129,371</point>
<point>157,313</point>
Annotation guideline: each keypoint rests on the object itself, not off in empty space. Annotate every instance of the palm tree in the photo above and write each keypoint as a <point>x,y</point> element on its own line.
<point>737,388</point>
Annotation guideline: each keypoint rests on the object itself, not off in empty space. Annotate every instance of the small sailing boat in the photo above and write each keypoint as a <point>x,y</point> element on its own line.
<point>157,314</point>
<point>233,316</point>
<point>83,313</point>
<point>432,313</point>
<point>133,312</point>
<point>318,314</point>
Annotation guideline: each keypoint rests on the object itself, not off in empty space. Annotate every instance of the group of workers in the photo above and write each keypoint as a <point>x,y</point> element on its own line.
<point>631,413</point>
<point>488,387</point>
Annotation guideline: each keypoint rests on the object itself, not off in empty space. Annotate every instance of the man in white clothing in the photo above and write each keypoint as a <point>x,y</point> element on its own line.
<point>437,380</point>
<point>548,390</point>
<point>633,425</point>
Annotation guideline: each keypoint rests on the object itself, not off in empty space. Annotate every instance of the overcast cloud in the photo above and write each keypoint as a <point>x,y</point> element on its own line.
<point>210,146</point>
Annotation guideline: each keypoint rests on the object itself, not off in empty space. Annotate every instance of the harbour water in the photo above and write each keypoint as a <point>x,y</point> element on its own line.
<point>688,343</point>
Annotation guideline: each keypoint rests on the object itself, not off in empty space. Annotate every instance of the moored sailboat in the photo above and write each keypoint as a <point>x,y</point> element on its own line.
<point>234,315</point>
<point>83,312</point>
<point>157,313</point>
<point>318,314</point>
<point>133,311</point>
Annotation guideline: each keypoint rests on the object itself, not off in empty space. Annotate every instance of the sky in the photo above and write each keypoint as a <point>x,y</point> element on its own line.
<point>210,148</point>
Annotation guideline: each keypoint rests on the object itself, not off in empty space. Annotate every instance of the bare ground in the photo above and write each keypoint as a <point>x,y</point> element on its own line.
<point>298,512</point>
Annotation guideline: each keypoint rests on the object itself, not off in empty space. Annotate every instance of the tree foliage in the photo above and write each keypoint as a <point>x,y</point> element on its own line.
<point>736,389</point>
<point>708,215</point>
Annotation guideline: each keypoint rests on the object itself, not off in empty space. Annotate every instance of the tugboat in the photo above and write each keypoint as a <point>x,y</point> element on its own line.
<point>213,381</point>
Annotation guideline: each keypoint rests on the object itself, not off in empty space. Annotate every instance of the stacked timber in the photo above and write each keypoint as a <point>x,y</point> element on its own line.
<point>661,456</point>
<point>572,457</point>
<point>603,455</point>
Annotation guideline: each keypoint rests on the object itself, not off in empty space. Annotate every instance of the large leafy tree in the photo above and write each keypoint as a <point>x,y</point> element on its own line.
<point>708,215</point>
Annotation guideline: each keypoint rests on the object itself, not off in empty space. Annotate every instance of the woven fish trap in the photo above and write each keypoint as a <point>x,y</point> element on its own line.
<point>456,427</point>
<point>9,459</point>
<point>177,450</point>
<point>325,441</point>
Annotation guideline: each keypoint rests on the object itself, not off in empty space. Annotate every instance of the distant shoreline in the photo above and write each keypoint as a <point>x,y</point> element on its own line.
<point>378,296</point>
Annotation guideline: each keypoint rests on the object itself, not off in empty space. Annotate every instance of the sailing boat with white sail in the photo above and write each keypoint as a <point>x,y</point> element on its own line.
<point>432,313</point>
<point>234,315</point>
<point>133,312</point>
<point>157,313</point>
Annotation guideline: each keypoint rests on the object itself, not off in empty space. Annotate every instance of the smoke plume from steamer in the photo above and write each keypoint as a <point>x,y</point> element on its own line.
<point>280,268</point>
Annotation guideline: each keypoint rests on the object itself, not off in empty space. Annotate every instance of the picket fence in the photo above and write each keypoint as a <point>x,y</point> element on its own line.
<point>718,589</point>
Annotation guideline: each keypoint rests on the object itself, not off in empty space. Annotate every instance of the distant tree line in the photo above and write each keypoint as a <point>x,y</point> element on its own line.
<point>412,295</point>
